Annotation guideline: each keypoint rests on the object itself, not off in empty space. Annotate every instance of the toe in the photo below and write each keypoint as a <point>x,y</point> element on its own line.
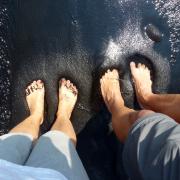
<point>33,84</point>
<point>75,91</point>
<point>27,92</point>
<point>39,84</point>
<point>133,67</point>
<point>29,89</point>
<point>32,88</point>
<point>62,82</point>
<point>143,66</point>
<point>75,88</point>
<point>68,83</point>
<point>71,86</point>
<point>139,65</point>
<point>106,74</point>
<point>147,69</point>
<point>103,76</point>
<point>115,72</point>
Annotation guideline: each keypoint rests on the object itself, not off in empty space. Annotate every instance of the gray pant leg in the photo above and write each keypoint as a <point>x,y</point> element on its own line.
<point>152,149</point>
<point>55,150</point>
<point>15,147</point>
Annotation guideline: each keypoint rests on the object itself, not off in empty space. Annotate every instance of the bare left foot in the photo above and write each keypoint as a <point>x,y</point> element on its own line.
<point>35,99</point>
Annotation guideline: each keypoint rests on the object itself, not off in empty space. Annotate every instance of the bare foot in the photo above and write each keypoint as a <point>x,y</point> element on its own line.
<point>35,99</point>
<point>110,89</point>
<point>67,98</point>
<point>143,83</point>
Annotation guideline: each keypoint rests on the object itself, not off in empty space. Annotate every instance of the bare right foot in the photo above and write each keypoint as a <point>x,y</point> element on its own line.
<point>110,89</point>
<point>67,98</point>
<point>143,83</point>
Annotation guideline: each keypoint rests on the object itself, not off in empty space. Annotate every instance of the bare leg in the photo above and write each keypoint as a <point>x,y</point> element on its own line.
<point>167,103</point>
<point>67,99</point>
<point>122,116</point>
<point>35,99</point>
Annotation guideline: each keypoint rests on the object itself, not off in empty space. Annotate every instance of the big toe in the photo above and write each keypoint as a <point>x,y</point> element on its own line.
<point>115,73</point>
<point>62,82</point>
<point>133,67</point>
<point>39,84</point>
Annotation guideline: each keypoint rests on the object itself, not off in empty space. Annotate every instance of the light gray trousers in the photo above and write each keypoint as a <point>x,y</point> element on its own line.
<point>53,150</point>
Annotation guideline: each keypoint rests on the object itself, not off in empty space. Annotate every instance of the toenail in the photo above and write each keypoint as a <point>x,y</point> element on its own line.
<point>32,88</point>
<point>28,91</point>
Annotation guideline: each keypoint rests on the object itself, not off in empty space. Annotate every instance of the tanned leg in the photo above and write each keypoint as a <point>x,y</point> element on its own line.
<point>122,117</point>
<point>67,99</point>
<point>166,103</point>
<point>35,100</point>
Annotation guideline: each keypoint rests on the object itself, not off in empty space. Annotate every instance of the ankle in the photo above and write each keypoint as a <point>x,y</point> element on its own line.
<point>63,113</point>
<point>146,101</point>
<point>62,116</point>
<point>116,107</point>
<point>37,117</point>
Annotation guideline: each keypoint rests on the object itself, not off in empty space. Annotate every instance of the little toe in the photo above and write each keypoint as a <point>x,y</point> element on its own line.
<point>75,91</point>
<point>75,88</point>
